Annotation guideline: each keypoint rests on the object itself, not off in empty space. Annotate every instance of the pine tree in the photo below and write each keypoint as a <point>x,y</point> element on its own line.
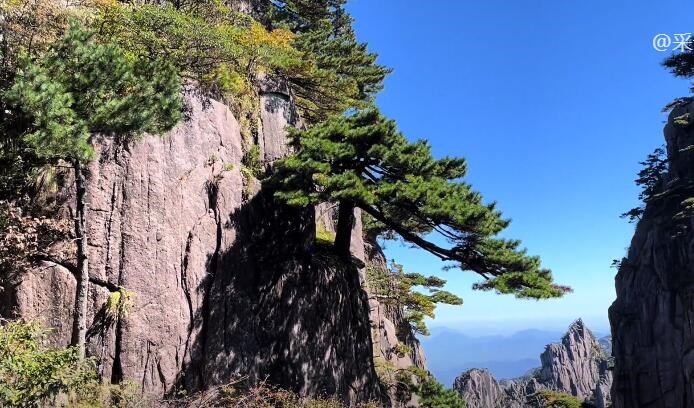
<point>346,76</point>
<point>682,64</point>
<point>393,286</point>
<point>650,178</point>
<point>362,161</point>
<point>79,88</point>
<point>433,394</point>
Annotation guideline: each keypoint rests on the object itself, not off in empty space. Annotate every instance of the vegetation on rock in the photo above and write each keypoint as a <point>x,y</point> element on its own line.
<point>362,161</point>
<point>650,178</point>
<point>77,89</point>
<point>117,69</point>
<point>393,286</point>
<point>682,64</point>
<point>345,74</point>
<point>554,399</point>
<point>33,375</point>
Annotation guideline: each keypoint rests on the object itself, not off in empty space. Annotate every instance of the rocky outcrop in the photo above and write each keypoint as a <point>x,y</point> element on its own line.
<point>395,346</point>
<point>653,316</point>
<point>226,282</point>
<point>479,389</point>
<point>578,366</point>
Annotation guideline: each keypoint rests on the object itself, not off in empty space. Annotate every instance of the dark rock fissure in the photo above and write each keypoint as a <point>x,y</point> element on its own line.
<point>186,292</point>
<point>213,265</point>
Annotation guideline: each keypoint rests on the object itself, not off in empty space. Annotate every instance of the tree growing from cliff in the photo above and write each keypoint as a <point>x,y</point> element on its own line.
<point>346,74</point>
<point>433,394</point>
<point>394,286</point>
<point>78,88</point>
<point>682,64</point>
<point>362,161</point>
<point>650,179</point>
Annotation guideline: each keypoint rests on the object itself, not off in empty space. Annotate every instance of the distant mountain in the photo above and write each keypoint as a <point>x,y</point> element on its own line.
<point>577,365</point>
<point>449,352</point>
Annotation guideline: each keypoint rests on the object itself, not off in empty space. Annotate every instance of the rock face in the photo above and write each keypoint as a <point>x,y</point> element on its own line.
<point>479,389</point>
<point>395,347</point>
<point>226,282</point>
<point>577,366</point>
<point>653,316</point>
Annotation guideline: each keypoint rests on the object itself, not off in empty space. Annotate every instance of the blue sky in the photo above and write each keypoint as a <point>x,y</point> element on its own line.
<point>553,104</point>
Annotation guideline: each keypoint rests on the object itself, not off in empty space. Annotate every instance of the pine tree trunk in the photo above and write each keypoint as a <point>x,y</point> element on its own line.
<point>345,223</point>
<point>79,333</point>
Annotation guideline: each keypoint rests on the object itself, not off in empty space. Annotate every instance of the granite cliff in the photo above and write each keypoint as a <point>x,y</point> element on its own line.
<point>653,333</point>
<point>225,282</point>
<point>577,365</point>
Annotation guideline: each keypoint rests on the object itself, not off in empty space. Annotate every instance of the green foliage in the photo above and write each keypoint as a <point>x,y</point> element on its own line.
<point>249,183</point>
<point>395,287</point>
<point>81,87</point>
<point>32,374</point>
<point>430,392</point>
<point>27,27</point>
<point>682,64</point>
<point>323,236</point>
<point>433,394</point>
<point>119,303</point>
<point>402,350</point>
<point>650,179</point>
<point>223,52</point>
<point>345,75</point>
<point>220,49</point>
<point>554,399</point>
<point>252,161</point>
<point>362,160</point>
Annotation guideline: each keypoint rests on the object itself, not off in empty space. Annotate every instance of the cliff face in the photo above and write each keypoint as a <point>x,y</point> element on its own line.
<point>479,389</point>
<point>653,317</point>
<point>226,282</point>
<point>577,366</point>
<point>395,347</point>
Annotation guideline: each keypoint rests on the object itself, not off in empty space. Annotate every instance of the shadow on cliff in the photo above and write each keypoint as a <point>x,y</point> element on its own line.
<point>278,308</point>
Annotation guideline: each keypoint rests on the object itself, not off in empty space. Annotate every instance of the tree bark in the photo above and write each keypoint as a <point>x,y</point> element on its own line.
<point>345,223</point>
<point>79,333</point>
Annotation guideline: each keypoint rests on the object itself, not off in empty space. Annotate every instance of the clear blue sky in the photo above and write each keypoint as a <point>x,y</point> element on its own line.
<point>553,103</point>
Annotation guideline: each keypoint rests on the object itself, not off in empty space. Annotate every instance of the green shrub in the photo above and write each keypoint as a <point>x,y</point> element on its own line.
<point>554,399</point>
<point>323,236</point>
<point>252,161</point>
<point>433,394</point>
<point>32,374</point>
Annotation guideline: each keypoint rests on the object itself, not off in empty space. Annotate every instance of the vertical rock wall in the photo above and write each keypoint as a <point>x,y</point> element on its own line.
<point>225,281</point>
<point>390,332</point>
<point>652,318</point>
